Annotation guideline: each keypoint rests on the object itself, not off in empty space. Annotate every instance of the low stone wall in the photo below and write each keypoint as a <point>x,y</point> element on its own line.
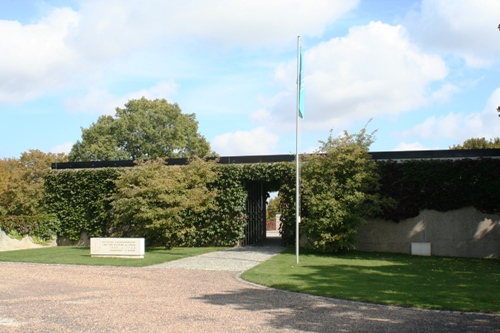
<point>7,243</point>
<point>460,233</point>
<point>83,241</point>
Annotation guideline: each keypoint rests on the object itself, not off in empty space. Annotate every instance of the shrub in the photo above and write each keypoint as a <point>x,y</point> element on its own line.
<point>41,226</point>
<point>158,202</point>
<point>338,191</point>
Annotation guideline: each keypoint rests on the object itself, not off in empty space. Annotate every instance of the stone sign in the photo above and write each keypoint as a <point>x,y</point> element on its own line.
<point>117,247</point>
<point>421,248</point>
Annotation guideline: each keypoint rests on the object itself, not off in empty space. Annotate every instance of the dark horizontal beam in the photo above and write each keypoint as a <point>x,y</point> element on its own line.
<point>436,154</point>
<point>388,155</point>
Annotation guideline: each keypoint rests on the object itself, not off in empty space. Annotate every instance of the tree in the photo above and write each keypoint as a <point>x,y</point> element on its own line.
<point>338,191</point>
<point>144,129</point>
<point>156,201</point>
<point>21,187</point>
<point>478,143</point>
<point>273,208</point>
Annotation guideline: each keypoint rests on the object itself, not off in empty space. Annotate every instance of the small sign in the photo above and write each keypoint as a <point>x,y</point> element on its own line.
<point>421,248</point>
<point>117,247</point>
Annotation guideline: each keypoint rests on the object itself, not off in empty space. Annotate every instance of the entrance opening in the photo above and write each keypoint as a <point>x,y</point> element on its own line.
<point>273,222</point>
<point>261,229</point>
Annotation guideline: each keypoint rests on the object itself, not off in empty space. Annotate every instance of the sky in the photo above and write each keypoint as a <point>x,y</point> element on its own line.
<point>422,74</point>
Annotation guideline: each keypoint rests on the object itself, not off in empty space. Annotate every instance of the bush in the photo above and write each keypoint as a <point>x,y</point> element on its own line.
<point>160,203</point>
<point>338,191</point>
<point>41,226</point>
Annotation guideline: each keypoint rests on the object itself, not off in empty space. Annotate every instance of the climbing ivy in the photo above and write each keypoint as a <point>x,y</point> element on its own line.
<point>42,226</point>
<point>440,185</point>
<point>80,198</point>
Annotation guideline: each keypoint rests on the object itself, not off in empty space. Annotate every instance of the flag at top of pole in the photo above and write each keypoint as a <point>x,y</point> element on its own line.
<point>300,82</point>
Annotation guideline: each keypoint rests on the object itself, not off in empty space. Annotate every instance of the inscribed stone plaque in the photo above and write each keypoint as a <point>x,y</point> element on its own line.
<point>421,248</point>
<point>117,247</point>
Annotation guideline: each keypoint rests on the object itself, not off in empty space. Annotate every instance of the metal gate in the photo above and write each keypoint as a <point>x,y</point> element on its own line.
<point>255,232</point>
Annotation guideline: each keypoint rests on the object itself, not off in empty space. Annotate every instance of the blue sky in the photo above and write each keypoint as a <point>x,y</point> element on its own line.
<point>426,72</point>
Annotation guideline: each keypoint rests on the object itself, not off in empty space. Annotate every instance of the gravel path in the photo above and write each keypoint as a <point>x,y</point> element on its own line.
<point>194,295</point>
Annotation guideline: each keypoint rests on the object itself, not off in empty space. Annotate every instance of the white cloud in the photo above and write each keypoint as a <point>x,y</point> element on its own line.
<point>217,23</point>
<point>164,89</point>
<point>461,126</point>
<point>96,101</point>
<point>258,141</point>
<point>68,49</point>
<point>410,146</point>
<point>101,101</point>
<point>445,93</point>
<point>63,148</point>
<point>467,28</point>
<point>372,71</point>
<point>34,58</point>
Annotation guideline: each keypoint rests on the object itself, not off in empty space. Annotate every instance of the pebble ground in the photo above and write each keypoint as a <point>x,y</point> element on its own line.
<point>194,295</point>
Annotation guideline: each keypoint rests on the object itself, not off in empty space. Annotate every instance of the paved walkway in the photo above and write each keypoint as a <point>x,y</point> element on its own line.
<point>196,295</point>
<point>237,259</point>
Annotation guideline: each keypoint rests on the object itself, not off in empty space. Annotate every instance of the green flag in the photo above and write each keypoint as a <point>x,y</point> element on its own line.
<point>301,85</point>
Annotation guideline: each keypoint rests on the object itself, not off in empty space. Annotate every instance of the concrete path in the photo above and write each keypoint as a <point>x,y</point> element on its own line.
<point>237,259</point>
<point>195,298</point>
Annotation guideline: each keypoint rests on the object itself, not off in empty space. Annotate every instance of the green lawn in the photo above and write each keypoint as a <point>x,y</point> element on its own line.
<point>460,284</point>
<point>81,256</point>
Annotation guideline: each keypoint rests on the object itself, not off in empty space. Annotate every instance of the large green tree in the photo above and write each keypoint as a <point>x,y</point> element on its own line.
<point>478,143</point>
<point>144,129</point>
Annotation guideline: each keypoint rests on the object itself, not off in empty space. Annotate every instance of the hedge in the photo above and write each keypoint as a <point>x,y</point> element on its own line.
<point>79,198</point>
<point>42,226</point>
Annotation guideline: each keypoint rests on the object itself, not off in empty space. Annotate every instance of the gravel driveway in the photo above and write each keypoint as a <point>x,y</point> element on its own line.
<point>186,298</point>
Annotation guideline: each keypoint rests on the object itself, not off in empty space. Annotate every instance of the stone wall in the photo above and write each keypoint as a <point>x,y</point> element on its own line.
<point>83,241</point>
<point>460,233</point>
<point>7,243</point>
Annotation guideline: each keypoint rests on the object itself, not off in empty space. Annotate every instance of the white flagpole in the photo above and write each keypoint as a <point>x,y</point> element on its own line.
<point>297,157</point>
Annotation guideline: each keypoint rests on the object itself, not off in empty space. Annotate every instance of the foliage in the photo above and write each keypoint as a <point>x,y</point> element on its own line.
<point>21,196</point>
<point>157,202</point>
<point>21,187</point>
<point>42,226</point>
<point>478,143</point>
<point>440,185</point>
<point>224,223</point>
<point>144,129</point>
<point>273,208</point>
<point>79,198</point>
<point>338,191</point>
<point>277,177</point>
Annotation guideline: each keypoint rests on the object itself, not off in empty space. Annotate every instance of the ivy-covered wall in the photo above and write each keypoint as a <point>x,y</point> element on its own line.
<point>81,201</point>
<point>440,185</point>
<point>80,198</point>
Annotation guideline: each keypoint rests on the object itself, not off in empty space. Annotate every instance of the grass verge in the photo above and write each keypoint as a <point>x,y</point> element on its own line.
<point>73,255</point>
<point>444,283</point>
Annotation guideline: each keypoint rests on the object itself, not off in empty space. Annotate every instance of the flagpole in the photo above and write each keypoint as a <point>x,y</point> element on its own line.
<point>297,155</point>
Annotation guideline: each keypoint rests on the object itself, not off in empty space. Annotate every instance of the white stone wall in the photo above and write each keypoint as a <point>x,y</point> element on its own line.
<point>7,243</point>
<point>460,233</point>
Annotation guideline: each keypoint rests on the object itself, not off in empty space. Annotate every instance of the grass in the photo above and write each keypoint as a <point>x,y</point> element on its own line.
<point>73,255</point>
<point>444,283</point>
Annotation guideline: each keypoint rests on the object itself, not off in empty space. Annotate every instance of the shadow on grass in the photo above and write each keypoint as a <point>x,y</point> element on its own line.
<point>460,284</point>
<point>313,314</point>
